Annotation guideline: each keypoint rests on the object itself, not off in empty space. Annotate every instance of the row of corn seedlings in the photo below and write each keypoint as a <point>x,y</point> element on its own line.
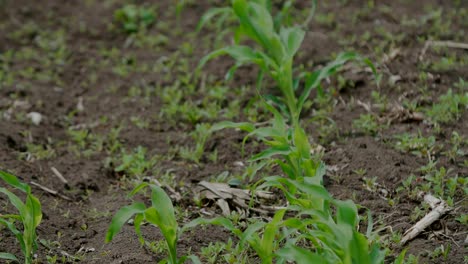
<point>319,228</point>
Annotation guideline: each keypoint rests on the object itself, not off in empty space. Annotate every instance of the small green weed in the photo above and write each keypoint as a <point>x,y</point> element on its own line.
<point>448,109</point>
<point>200,135</point>
<point>416,144</point>
<point>367,123</point>
<point>136,163</point>
<point>134,18</point>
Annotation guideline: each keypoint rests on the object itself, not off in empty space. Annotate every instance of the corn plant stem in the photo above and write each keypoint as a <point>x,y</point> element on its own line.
<point>285,81</point>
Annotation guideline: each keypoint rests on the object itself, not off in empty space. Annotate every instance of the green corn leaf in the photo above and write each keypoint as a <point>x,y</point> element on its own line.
<point>267,132</point>
<point>137,221</point>
<point>314,190</point>
<point>242,54</point>
<point>255,19</point>
<point>313,79</point>
<point>8,256</point>
<point>401,257</point>
<point>165,222</point>
<point>264,3</point>
<point>138,188</point>
<point>300,255</point>
<point>14,181</point>
<point>34,206</point>
<point>163,205</point>
<point>311,14</point>
<point>19,236</point>
<point>271,231</point>
<point>220,221</point>
<point>292,39</point>
<point>270,152</point>
<point>121,217</point>
<point>346,213</point>
<point>287,169</point>
<point>377,255</point>
<point>359,249</point>
<point>278,122</point>
<point>302,143</point>
<point>15,201</point>
<point>250,235</point>
<point>370,224</point>
<point>193,258</point>
<point>244,126</point>
<point>210,14</point>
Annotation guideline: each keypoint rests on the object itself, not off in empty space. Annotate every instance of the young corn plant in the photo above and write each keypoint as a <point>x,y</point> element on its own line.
<point>333,236</point>
<point>29,216</point>
<point>160,214</point>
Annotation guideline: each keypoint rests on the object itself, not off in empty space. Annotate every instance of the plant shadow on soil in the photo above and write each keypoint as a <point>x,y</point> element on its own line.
<point>76,64</point>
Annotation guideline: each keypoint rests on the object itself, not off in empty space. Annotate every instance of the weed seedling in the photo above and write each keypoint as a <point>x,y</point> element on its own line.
<point>133,18</point>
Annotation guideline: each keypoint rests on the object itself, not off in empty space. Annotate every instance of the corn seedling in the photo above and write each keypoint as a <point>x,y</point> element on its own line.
<point>29,216</point>
<point>160,214</point>
<point>331,239</point>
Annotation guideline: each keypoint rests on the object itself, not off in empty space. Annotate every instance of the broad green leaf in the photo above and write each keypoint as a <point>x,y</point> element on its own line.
<point>168,226</point>
<point>300,255</point>
<point>220,221</point>
<point>163,205</point>
<point>8,256</point>
<point>313,79</point>
<point>250,235</point>
<point>314,190</point>
<point>302,143</point>
<point>121,217</point>
<point>34,206</point>
<point>270,152</point>
<point>346,213</point>
<point>267,132</point>
<point>359,249</point>
<point>401,257</point>
<point>292,39</point>
<point>248,127</point>
<point>193,258</point>
<point>19,236</point>
<point>271,231</point>
<point>14,181</point>
<point>256,21</point>
<point>15,201</point>
<point>137,221</point>
<point>242,55</point>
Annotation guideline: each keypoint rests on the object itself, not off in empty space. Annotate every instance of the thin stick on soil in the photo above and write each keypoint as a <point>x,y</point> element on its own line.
<point>59,175</point>
<point>448,44</point>
<point>50,191</point>
<point>439,208</point>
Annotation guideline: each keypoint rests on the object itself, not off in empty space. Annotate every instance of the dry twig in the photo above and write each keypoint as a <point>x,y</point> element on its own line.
<point>448,44</point>
<point>439,208</point>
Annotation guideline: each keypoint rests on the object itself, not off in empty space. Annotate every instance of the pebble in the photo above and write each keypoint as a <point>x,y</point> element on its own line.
<point>35,117</point>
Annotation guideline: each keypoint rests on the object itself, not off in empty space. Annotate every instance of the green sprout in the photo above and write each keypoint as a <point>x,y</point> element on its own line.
<point>133,18</point>
<point>161,214</point>
<point>29,216</point>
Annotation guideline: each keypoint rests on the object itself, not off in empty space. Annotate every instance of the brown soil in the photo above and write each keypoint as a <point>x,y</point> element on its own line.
<point>97,192</point>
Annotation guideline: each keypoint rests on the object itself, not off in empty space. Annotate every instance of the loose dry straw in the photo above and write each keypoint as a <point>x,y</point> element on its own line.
<point>448,44</point>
